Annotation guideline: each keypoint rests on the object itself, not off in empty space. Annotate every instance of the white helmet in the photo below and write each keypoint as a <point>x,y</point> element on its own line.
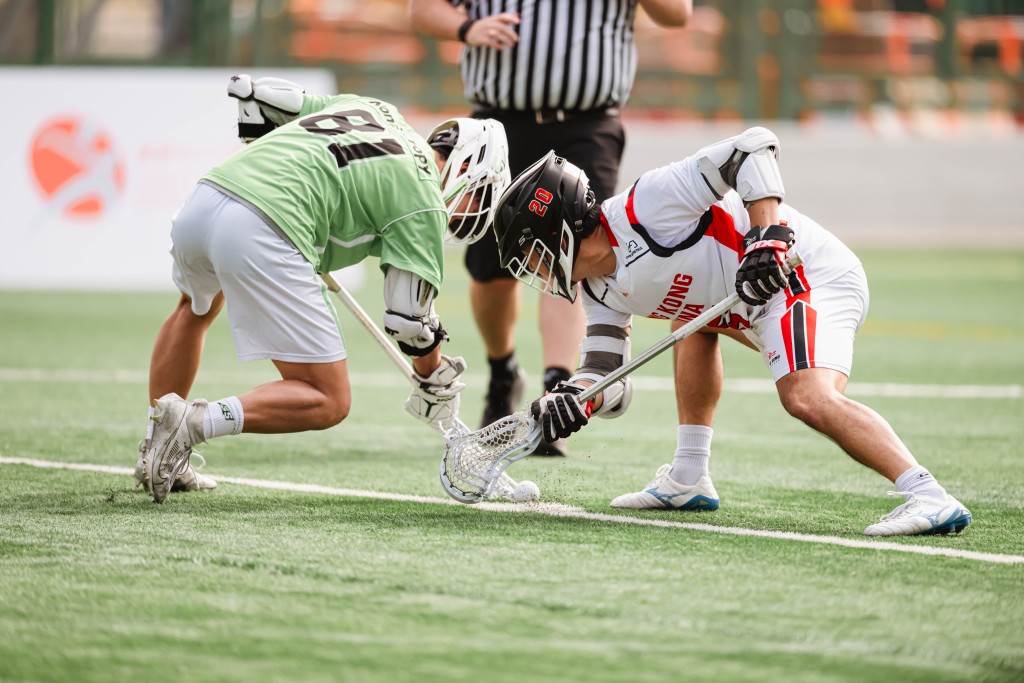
<point>474,176</point>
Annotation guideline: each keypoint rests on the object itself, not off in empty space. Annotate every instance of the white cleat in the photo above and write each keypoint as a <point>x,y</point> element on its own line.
<point>177,426</point>
<point>190,479</point>
<point>140,465</point>
<point>920,516</point>
<point>665,493</point>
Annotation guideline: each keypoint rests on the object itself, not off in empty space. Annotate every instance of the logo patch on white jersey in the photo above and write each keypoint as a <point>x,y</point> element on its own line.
<point>635,250</point>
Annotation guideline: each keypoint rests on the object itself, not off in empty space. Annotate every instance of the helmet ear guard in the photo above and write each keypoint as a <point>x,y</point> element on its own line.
<point>539,222</point>
<point>475,173</point>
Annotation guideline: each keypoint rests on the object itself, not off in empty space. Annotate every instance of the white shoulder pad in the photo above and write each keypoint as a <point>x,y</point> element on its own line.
<point>280,100</point>
<point>410,318</point>
<point>264,104</point>
<point>251,122</point>
<point>747,163</point>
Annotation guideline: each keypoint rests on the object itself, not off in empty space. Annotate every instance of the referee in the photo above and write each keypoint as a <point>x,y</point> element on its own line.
<point>555,73</point>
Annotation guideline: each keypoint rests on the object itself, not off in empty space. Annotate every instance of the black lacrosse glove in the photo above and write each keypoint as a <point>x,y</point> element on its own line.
<point>559,413</point>
<point>763,270</point>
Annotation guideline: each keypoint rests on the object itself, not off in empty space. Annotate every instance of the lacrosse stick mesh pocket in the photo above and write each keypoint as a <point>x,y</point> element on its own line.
<point>474,461</point>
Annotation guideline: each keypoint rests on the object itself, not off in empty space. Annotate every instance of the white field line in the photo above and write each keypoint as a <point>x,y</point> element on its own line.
<point>554,510</point>
<point>643,383</point>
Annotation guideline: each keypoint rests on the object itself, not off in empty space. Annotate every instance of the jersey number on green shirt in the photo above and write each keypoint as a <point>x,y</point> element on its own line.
<point>344,123</point>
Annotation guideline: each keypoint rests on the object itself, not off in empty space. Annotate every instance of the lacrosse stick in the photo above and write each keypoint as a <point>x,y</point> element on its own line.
<point>473,462</point>
<point>505,484</point>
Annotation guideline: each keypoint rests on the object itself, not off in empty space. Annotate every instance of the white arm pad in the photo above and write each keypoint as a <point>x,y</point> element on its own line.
<point>264,104</point>
<point>604,349</point>
<point>747,163</point>
<point>615,399</point>
<point>410,318</point>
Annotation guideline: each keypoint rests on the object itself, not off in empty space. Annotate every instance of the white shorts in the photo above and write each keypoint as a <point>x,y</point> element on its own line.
<point>277,306</point>
<point>814,329</point>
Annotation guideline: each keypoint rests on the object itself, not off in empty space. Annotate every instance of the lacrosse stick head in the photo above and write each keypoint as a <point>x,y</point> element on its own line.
<point>473,462</point>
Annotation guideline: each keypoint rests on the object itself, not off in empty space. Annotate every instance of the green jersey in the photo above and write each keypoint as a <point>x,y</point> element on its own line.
<point>346,179</point>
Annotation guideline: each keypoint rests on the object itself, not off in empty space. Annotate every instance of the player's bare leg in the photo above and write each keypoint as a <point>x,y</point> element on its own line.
<point>179,348</point>
<point>173,367</point>
<point>495,306</point>
<point>309,396</point>
<point>815,396</point>
<point>697,366</point>
<point>686,483</point>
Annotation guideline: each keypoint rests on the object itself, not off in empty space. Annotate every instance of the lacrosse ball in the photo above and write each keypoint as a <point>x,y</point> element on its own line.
<point>526,492</point>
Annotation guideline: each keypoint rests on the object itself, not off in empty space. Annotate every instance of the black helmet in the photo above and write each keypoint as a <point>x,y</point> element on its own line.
<point>538,221</point>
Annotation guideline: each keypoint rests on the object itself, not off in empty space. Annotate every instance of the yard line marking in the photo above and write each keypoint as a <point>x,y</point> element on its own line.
<point>552,510</point>
<point>645,383</point>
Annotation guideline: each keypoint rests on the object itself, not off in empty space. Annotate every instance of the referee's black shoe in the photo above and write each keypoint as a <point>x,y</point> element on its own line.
<point>552,376</point>
<point>504,392</point>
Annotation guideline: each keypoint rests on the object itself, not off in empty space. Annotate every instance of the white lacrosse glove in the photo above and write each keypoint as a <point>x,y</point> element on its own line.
<point>436,399</point>
<point>263,104</point>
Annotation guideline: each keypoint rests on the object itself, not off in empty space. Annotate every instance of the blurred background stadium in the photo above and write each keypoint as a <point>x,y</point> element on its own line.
<point>779,59</point>
<point>901,121</point>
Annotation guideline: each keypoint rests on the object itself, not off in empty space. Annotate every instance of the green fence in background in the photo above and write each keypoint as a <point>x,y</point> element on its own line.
<point>738,58</point>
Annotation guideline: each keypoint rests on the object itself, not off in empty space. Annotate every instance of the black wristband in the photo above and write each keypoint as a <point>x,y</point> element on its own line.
<point>464,29</point>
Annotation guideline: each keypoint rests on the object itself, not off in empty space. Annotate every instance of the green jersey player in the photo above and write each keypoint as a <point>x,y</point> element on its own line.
<point>326,182</point>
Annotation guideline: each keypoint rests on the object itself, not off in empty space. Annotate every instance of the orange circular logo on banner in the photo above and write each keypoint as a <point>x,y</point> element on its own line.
<point>76,167</point>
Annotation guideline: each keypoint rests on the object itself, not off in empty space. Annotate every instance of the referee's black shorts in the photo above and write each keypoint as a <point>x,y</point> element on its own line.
<point>594,143</point>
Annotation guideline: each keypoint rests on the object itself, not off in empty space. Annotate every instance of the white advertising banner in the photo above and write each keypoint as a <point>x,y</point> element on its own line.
<point>96,162</point>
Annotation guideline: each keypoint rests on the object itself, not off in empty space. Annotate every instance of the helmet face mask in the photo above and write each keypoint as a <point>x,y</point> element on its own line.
<point>538,222</point>
<point>544,270</point>
<point>474,174</point>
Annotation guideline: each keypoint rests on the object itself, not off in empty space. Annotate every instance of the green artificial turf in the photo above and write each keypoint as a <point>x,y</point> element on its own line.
<point>97,583</point>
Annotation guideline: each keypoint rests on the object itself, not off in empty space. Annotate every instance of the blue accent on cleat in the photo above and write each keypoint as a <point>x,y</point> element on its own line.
<point>951,526</point>
<point>697,503</point>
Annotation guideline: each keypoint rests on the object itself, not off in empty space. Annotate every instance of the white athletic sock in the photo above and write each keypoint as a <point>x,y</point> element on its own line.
<point>693,448</point>
<point>223,418</point>
<point>920,481</point>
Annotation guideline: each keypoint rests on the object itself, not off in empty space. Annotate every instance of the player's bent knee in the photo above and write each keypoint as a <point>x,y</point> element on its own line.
<point>333,411</point>
<point>811,407</point>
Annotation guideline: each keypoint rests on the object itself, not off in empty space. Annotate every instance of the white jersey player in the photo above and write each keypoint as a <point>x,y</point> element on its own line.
<point>681,239</point>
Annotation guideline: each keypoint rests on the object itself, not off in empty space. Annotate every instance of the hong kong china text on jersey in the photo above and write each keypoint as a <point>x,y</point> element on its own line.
<point>674,307</point>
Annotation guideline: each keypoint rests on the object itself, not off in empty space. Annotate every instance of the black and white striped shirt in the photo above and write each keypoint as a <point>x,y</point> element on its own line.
<point>571,54</point>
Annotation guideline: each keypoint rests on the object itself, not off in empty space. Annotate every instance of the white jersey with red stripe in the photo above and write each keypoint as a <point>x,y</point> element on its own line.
<point>678,249</point>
